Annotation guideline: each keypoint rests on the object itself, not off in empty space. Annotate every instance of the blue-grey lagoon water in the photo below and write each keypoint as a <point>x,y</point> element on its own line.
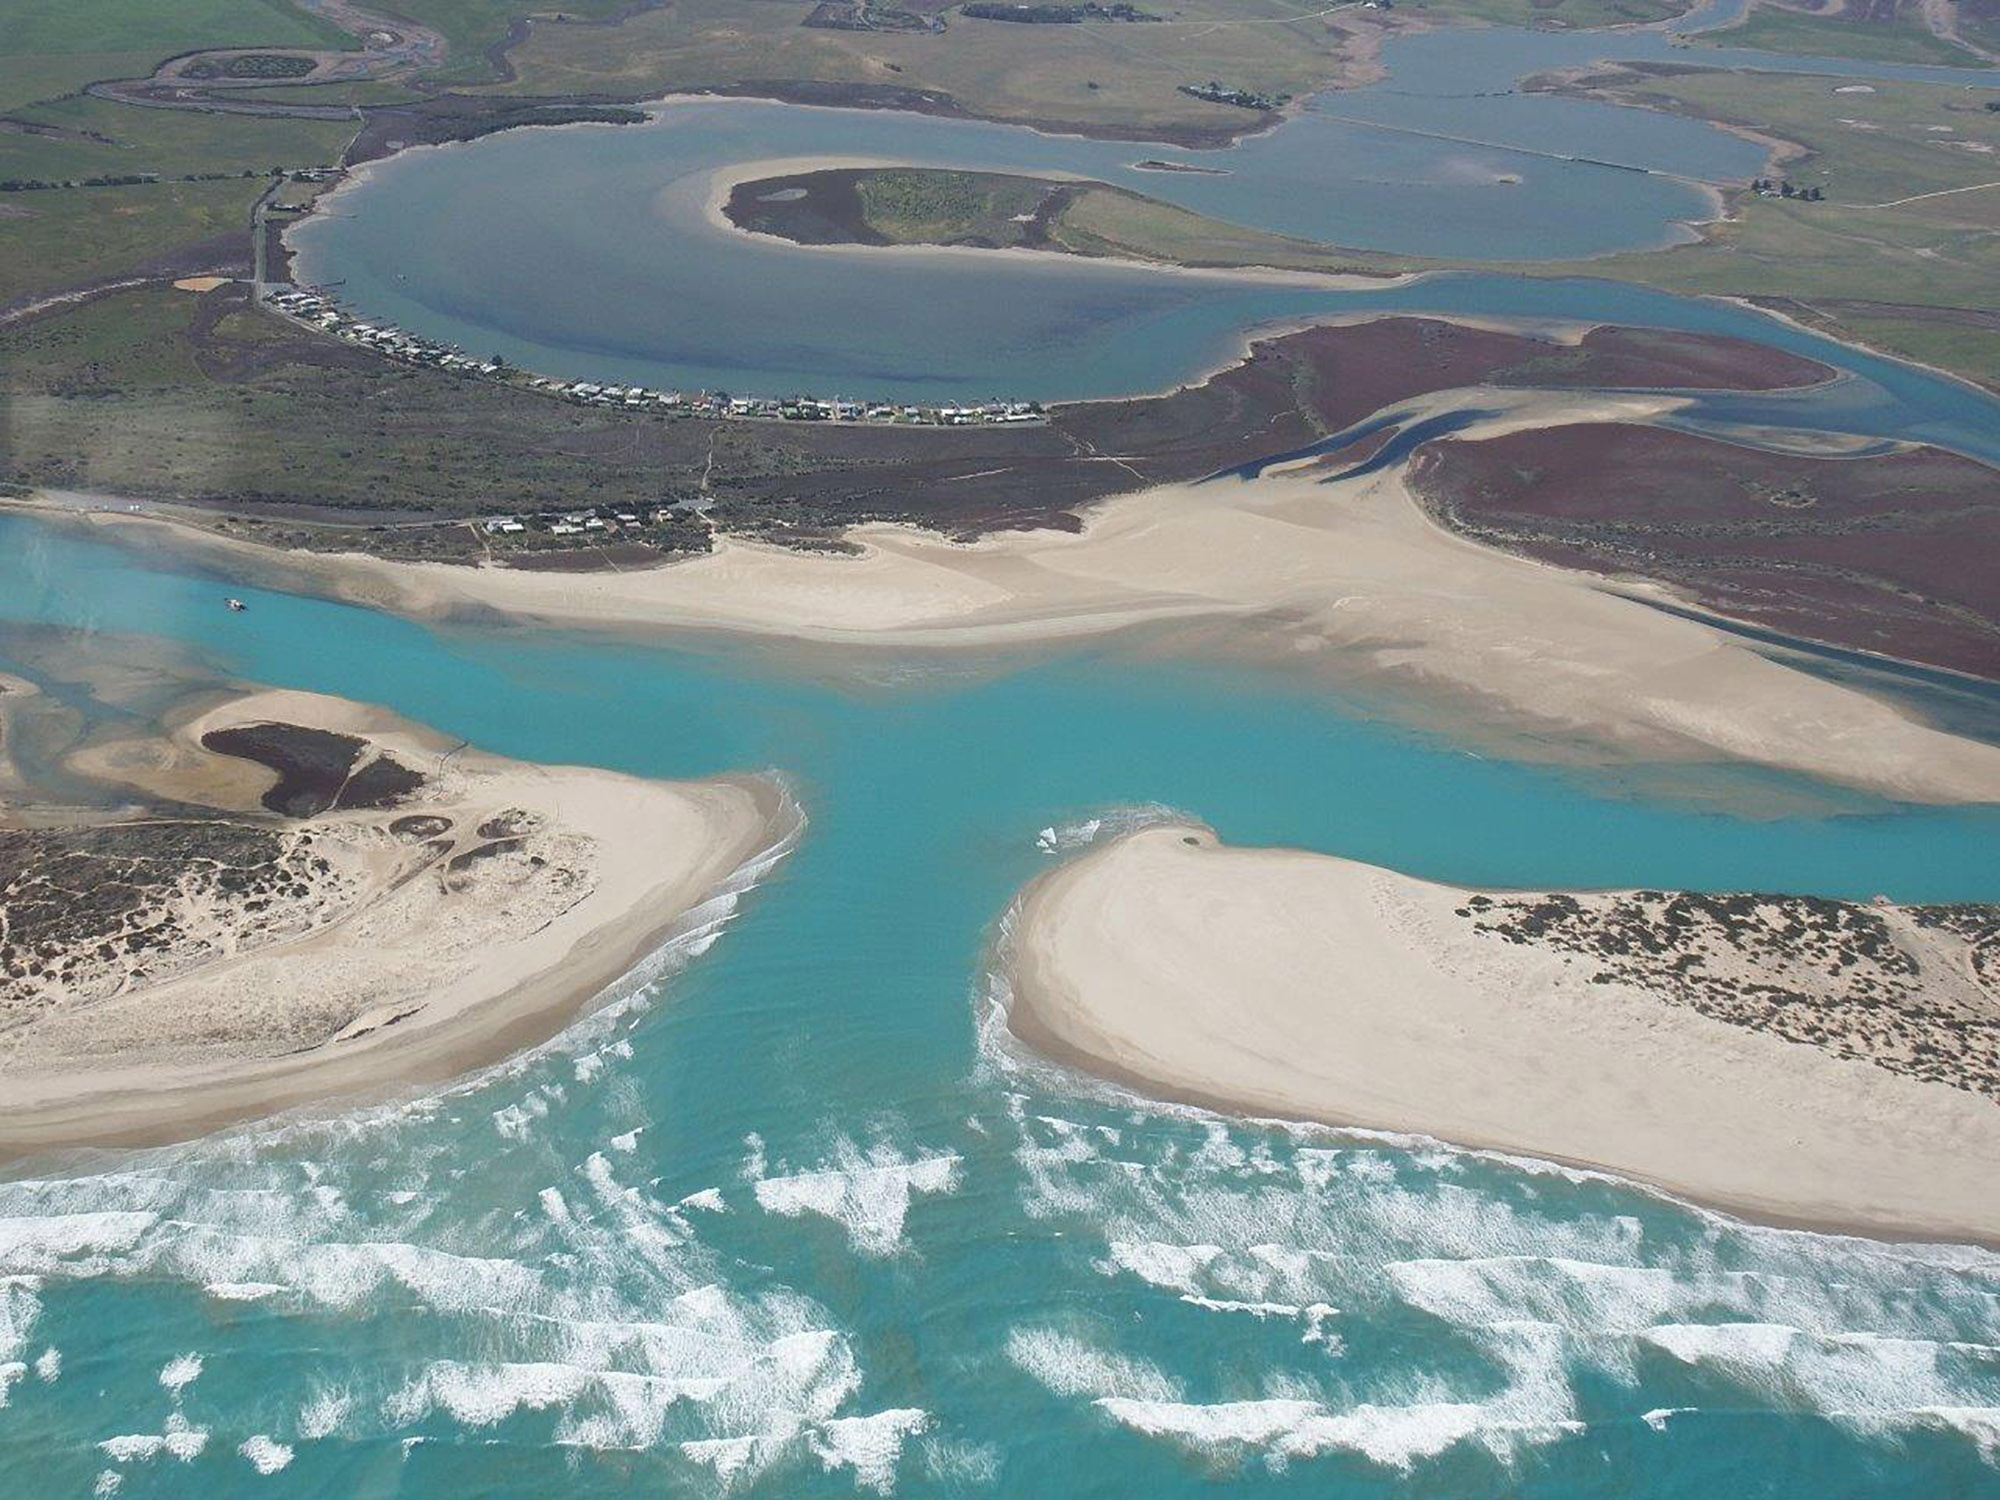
<point>586,252</point>
<point>787,1222</point>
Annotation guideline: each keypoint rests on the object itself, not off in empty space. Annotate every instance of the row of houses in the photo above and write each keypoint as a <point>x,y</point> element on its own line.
<point>320,311</point>
<point>601,521</point>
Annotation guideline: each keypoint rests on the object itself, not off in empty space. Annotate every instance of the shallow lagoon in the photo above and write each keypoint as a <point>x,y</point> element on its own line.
<point>586,252</point>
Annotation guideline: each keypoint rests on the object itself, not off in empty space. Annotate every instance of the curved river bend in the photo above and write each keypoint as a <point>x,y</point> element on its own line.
<point>589,251</point>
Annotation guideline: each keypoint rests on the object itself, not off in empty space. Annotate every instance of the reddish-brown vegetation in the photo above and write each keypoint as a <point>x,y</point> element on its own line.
<point>1891,553</point>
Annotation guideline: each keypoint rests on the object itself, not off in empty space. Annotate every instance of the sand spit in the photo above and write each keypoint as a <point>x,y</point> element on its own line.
<point>320,899</point>
<point>1344,576</point>
<point>1278,982</point>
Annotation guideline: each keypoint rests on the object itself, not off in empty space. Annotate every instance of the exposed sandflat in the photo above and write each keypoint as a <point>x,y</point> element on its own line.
<point>1345,576</point>
<point>1285,983</point>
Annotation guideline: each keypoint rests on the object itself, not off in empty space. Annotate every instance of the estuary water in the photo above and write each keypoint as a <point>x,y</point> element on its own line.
<point>788,1219</point>
<point>587,252</point>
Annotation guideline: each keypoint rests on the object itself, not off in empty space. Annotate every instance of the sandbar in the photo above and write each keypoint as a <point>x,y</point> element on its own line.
<point>1323,569</point>
<point>1277,982</point>
<point>330,901</point>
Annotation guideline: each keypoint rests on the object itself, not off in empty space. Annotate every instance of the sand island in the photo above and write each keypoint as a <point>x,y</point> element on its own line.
<point>1790,1058</point>
<point>305,897</point>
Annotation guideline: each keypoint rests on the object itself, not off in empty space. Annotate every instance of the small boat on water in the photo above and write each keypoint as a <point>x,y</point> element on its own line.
<point>237,606</point>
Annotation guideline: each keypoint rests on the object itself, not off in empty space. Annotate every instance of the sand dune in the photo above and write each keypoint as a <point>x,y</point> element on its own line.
<point>1285,983</point>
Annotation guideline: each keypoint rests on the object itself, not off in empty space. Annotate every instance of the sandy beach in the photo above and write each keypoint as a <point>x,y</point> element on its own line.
<point>1283,983</point>
<point>421,912</point>
<point>1345,577</point>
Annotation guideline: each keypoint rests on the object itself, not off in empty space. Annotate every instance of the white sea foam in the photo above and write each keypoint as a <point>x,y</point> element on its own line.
<point>1257,1424</point>
<point>1177,1268</point>
<point>957,1463</point>
<point>179,1440</point>
<point>108,1481</point>
<point>1237,1305</point>
<point>871,1446</point>
<point>265,1455</point>
<point>708,1200</point>
<point>730,1459</point>
<point>1081,833</point>
<point>324,1412</point>
<point>76,1244</point>
<point>19,1310</point>
<point>1070,1367</point>
<point>866,1190</point>
<point>242,1291</point>
<point>180,1372</point>
<point>48,1365</point>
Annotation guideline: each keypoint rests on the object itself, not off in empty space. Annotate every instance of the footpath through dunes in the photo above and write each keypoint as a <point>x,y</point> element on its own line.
<point>1892,553</point>
<point>1799,1060</point>
<point>313,898</point>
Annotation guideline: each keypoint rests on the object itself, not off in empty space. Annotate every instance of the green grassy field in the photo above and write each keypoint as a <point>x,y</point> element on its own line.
<point>53,47</point>
<point>127,393</point>
<point>52,241</point>
<point>1575,14</point>
<point>72,27</point>
<point>27,77</point>
<point>1107,222</point>
<point>470,27</point>
<point>1770,29</point>
<point>1861,244</point>
<point>1122,76</point>
<point>99,137</point>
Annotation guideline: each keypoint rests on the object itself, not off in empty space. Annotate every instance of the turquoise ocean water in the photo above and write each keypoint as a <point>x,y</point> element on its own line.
<point>787,1217</point>
<point>789,1221</point>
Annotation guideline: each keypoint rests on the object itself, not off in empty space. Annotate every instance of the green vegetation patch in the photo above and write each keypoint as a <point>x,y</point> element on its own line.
<point>943,208</point>
<point>53,241</point>
<point>471,28</point>
<point>1772,29</point>
<point>251,65</point>
<point>171,395</point>
<point>1123,76</point>
<point>91,137</point>
<point>164,27</point>
<point>1573,15</point>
